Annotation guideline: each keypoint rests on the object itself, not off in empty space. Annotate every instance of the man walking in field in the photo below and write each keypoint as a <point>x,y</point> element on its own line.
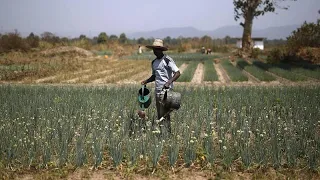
<point>164,73</point>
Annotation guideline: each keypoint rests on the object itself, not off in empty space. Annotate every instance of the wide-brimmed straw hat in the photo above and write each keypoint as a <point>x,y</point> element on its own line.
<point>157,44</point>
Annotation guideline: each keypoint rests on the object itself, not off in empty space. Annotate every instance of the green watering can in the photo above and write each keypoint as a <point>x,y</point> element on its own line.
<point>144,97</point>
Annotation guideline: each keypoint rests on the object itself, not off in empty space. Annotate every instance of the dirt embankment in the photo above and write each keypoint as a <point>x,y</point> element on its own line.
<point>65,50</point>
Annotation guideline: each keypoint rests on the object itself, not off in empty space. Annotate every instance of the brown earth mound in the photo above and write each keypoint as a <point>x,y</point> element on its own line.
<point>67,50</point>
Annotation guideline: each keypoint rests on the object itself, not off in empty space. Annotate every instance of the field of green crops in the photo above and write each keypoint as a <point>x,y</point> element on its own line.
<point>174,56</point>
<point>51,126</point>
<point>188,72</point>
<point>255,71</point>
<point>281,71</point>
<point>210,73</point>
<point>234,73</point>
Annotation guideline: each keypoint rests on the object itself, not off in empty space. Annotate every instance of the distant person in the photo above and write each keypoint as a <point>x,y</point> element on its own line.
<point>203,50</point>
<point>209,51</point>
<point>140,50</point>
<point>164,73</point>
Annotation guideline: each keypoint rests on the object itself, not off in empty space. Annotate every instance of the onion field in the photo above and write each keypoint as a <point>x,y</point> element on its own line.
<point>54,126</point>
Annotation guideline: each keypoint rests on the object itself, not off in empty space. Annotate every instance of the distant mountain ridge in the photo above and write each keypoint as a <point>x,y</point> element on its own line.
<point>277,32</point>
<point>232,31</point>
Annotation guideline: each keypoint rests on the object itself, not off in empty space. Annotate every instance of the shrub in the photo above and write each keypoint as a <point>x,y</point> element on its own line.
<point>182,48</point>
<point>309,54</point>
<point>276,55</point>
<point>222,49</point>
<point>33,40</point>
<point>82,43</point>
<point>45,45</point>
<point>255,53</point>
<point>12,42</point>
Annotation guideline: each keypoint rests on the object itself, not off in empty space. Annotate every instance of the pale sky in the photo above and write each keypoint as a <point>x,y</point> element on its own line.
<point>116,16</point>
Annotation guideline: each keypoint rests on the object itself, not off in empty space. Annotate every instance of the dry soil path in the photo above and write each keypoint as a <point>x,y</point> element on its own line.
<point>183,67</point>
<point>222,75</point>
<point>198,74</point>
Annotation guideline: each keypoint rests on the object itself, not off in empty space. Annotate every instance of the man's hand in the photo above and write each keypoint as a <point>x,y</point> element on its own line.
<point>167,85</point>
<point>143,82</point>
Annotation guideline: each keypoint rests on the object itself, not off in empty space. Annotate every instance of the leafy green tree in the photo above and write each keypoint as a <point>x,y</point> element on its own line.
<point>308,35</point>
<point>102,38</point>
<point>123,38</point>
<point>113,38</point>
<point>141,40</point>
<point>249,9</point>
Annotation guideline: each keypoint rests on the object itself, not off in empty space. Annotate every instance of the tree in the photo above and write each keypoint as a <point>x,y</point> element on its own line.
<point>248,9</point>
<point>33,40</point>
<point>12,41</point>
<point>141,40</point>
<point>50,37</point>
<point>167,40</point>
<point>113,38</point>
<point>308,35</point>
<point>82,36</point>
<point>227,39</point>
<point>102,38</point>
<point>206,41</point>
<point>123,38</point>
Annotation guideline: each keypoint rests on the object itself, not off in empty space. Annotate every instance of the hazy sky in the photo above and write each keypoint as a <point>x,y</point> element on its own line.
<point>116,16</point>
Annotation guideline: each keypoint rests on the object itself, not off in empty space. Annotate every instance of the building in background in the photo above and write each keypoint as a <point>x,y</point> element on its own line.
<point>257,42</point>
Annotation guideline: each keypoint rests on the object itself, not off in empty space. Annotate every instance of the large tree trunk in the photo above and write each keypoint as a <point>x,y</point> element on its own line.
<point>247,43</point>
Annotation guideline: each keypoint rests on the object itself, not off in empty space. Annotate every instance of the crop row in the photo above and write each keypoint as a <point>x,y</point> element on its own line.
<point>280,71</point>
<point>188,73</point>
<point>234,73</point>
<point>210,73</point>
<point>255,71</point>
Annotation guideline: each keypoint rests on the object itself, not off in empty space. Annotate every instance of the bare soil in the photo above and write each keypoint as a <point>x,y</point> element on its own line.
<point>65,50</point>
<point>85,77</point>
<point>183,67</point>
<point>198,75</point>
<point>191,173</point>
<point>222,74</point>
<point>135,79</point>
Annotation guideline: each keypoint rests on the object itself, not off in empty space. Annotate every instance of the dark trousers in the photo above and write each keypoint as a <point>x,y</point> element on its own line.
<point>161,110</point>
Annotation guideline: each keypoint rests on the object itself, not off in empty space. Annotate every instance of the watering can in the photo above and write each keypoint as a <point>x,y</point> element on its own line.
<point>170,99</point>
<point>144,97</point>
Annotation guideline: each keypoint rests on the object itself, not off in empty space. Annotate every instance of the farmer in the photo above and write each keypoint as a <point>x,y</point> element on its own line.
<point>140,50</point>
<point>164,73</point>
<point>203,50</point>
<point>209,51</point>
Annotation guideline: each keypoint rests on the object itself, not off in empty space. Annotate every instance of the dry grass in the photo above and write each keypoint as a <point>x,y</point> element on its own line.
<point>123,72</point>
